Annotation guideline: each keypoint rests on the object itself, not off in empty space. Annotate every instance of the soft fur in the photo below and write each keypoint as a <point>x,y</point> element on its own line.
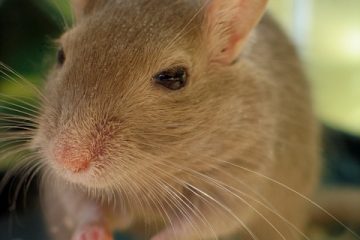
<point>216,158</point>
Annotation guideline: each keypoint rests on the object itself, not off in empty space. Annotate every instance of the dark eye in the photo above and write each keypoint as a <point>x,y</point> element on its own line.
<point>61,56</point>
<point>173,79</point>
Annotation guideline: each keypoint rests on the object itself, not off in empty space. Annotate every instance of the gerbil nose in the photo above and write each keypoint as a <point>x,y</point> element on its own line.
<point>77,153</point>
<point>72,158</point>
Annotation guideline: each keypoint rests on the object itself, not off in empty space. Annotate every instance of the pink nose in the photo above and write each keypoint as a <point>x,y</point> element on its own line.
<point>72,158</point>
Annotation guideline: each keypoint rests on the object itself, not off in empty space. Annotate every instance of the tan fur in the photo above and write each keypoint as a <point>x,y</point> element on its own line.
<point>196,157</point>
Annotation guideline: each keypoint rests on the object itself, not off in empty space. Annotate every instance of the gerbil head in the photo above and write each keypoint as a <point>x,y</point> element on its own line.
<point>144,90</point>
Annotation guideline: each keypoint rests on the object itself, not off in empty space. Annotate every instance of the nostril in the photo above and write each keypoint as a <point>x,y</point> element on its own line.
<point>76,166</point>
<point>77,153</point>
<point>72,159</point>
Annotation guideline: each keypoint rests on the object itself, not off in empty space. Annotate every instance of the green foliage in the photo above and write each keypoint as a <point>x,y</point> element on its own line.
<point>28,28</point>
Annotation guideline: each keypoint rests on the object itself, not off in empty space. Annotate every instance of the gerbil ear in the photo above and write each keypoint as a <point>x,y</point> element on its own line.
<point>228,24</point>
<point>83,7</point>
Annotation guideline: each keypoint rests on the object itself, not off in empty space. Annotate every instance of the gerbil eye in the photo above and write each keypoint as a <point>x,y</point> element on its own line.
<point>173,79</point>
<point>61,56</point>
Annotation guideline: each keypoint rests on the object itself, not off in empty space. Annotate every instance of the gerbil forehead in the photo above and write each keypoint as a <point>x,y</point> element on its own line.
<point>130,26</point>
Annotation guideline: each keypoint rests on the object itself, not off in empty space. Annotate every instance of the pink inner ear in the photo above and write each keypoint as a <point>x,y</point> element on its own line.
<point>238,17</point>
<point>231,49</point>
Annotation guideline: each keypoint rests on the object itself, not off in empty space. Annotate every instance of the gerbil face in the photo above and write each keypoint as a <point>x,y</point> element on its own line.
<point>143,91</point>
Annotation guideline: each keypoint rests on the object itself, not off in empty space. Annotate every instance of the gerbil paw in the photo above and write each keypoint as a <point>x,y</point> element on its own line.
<point>92,232</point>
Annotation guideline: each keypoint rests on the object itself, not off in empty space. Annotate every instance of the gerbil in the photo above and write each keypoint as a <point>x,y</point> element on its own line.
<point>179,119</point>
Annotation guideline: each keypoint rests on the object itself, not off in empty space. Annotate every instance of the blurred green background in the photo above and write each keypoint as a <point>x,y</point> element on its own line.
<point>326,33</point>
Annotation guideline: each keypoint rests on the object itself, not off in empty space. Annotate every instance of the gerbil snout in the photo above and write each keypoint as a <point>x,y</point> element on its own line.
<point>72,157</point>
<point>80,151</point>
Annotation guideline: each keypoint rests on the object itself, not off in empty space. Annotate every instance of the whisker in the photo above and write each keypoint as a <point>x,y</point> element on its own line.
<point>176,201</point>
<point>19,144</point>
<point>24,171</point>
<point>265,205</point>
<point>18,111</point>
<point>31,85</point>
<point>228,210</point>
<point>289,189</point>
<point>307,199</point>
<point>39,165</point>
<point>154,199</point>
<point>130,190</point>
<point>202,217</point>
<point>16,116</point>
<point>158,203</point>
<point>63,18</point>
<point>5,123</point>
<point>183,30</point>
<point>12,171</point>
<point>14,135</point>
<point>241,199</point>
<point>24,104</point>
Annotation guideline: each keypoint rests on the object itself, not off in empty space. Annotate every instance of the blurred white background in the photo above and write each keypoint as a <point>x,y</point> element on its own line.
<point>327,33</point>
